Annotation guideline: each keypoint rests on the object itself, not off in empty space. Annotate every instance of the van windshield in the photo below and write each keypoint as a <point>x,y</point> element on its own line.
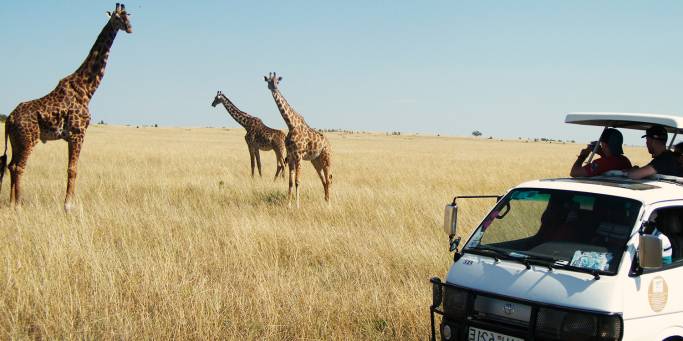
<point>572,230</point>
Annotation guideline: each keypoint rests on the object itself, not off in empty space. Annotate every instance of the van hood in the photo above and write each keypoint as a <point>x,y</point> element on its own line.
<point>557,287</point>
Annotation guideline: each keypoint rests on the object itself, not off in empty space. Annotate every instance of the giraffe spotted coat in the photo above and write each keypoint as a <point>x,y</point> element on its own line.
<point>259,136</point>
<point>303,143</point>
<point>61,114</point>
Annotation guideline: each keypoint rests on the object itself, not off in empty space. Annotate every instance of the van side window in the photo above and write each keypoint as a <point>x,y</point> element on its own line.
<point>667,224</point>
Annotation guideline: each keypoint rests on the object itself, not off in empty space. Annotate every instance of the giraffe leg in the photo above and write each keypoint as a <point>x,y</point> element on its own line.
<point>292,167</point>
<point>322,167</point>
<point>75,144</point>
<point>15,175</point>
<point>283,159</point>
<point>16,168</point>
<point>317,164</point>
<point>278,170</point>
<point>22,140</point>
<point>251,156</point>
<point>257,153</point>
<point>327,170</point>
<point>14,181</point>
<point>280,164</point>
<point>296,182</point>
<point>284,164</point>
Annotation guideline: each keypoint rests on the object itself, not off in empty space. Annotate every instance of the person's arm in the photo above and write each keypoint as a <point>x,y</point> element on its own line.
<point>577,169</point>
<point>643,172</point>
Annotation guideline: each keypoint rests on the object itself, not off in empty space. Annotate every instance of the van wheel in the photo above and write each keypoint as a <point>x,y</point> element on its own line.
<point>674,338</point>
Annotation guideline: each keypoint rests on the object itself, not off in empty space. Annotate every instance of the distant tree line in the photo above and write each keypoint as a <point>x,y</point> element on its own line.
<point>478,133</point>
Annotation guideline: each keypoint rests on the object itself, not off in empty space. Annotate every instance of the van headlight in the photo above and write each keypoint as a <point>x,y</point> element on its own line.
<point>446,332</point>
<point>564,325</point>
<point>610,327</point>
<point>578,326</point>
<point>455,303</point>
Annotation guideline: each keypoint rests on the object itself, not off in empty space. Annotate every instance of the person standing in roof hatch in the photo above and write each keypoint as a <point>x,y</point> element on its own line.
<point>611,156</point>
<point>663,162</point>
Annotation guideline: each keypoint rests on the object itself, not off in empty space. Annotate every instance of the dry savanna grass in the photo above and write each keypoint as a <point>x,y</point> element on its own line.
<point>172,238</point>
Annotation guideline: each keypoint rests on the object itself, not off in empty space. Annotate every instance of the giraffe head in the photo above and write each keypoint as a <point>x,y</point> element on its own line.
<point>120,18</point>
<point>218,99</point>
<point>273,80</point>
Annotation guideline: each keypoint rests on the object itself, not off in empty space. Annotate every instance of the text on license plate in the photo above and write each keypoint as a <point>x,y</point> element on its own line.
<point>476,334</point>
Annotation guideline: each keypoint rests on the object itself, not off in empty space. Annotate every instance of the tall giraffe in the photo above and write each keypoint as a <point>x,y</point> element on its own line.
<point>61,114</point>
<point>303,143</point>
<point>259,136</point>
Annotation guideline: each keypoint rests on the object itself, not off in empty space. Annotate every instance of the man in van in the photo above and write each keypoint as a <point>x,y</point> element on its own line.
<point>611,156</point>
<point>666,243</point>
<point>663,162</point>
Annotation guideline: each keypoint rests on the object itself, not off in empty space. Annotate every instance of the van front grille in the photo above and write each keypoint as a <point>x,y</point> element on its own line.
<point>492,309</point>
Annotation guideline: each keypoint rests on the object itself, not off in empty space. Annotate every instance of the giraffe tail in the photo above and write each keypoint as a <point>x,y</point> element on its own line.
<point>3,158</point>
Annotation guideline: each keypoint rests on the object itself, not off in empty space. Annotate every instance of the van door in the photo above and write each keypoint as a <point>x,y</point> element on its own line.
<point>653,299</point>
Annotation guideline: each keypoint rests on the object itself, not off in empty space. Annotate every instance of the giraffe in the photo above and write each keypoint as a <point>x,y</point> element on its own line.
<point>303,143</point>
<point>62,114</point>
<point>259,136</point>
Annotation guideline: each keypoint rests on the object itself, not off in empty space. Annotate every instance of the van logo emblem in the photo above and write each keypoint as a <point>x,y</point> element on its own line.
<point>508,308</point>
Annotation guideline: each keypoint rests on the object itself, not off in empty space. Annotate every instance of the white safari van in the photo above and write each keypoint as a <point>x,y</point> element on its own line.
<point>598,258</point>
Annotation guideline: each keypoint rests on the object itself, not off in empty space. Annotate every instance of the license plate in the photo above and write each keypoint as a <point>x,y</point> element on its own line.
<point>476,334</point>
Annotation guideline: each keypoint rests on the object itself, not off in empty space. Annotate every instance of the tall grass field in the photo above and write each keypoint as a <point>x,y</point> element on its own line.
<point>172,238</point>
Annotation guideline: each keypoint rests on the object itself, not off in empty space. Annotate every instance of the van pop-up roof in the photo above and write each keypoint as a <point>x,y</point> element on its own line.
<point>642,121</point>
<point>638,121</point>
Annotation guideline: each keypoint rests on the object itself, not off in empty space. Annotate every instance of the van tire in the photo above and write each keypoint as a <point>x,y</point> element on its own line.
<point>674,338</point>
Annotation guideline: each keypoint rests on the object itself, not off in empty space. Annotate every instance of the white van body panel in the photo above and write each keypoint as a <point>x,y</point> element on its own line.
<point>650,302</point>
<point>557,287</point>
<point>624,293</point>
<point>641,321</point>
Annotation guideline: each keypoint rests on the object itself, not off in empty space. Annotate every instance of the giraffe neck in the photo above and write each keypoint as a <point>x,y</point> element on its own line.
<point>291,117</point>
<point>90,73</point>
<point>240,116</point>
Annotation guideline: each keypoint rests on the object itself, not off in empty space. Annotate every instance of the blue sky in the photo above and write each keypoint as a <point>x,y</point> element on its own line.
<point>508,69</point>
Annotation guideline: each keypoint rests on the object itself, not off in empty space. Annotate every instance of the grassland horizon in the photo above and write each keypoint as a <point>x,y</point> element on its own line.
<point>172,238</point>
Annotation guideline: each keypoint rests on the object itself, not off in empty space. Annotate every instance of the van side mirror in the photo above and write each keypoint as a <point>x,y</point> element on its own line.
<point>649,252</point>
<point>450,221</point>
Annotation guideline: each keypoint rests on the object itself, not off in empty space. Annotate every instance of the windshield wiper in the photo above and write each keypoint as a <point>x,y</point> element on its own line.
<point>552,262</point>
<point>526,259</point>
<point>547,261</point>
<point>491,251</point>
<point>594,272</point>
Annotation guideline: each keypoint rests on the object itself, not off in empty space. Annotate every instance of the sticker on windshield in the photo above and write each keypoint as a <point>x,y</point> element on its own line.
<point>591,260</point>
